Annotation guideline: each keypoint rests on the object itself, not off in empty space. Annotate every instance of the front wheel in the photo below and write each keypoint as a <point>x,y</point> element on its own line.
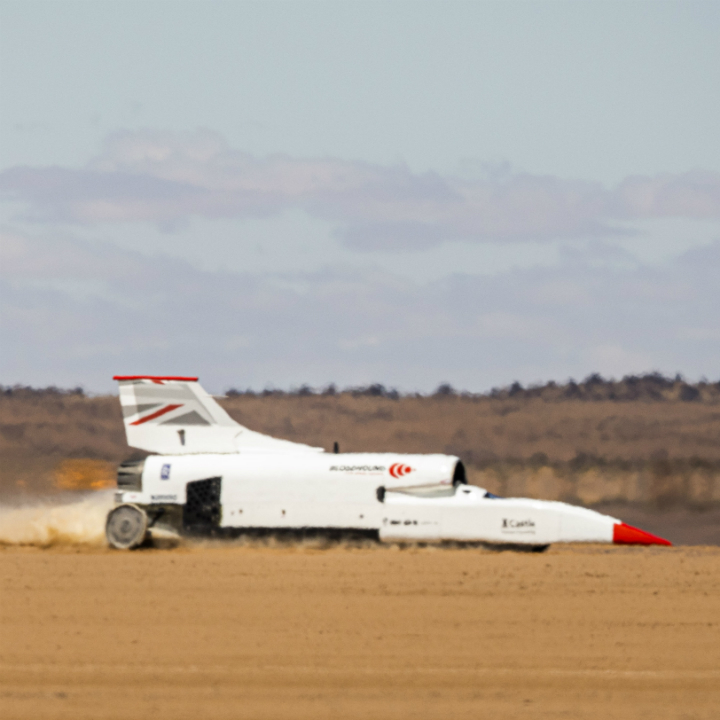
<point>126,527</point>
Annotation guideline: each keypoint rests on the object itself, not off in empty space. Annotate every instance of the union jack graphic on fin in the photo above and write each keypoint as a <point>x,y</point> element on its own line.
<point>156,414</point>
<point>173,415</point>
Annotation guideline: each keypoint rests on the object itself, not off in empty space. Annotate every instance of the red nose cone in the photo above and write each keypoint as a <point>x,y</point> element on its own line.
<point>628,535</point>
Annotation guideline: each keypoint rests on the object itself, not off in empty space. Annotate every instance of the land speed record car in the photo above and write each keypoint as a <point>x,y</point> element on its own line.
<point>212,476</point>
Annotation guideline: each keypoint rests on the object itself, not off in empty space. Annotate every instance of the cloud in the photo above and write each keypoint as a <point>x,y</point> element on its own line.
<point>694,194</point>
<point>134,313</point>
<point>167,178</point>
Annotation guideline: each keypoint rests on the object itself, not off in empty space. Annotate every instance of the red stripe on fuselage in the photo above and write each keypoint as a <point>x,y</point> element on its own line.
<point>157,413</point>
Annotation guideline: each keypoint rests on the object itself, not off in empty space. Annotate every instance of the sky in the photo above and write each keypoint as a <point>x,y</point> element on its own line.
<point>268,194</point>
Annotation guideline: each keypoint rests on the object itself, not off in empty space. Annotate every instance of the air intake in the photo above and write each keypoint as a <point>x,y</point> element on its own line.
<point>129,475</point>
<point>459,477</point>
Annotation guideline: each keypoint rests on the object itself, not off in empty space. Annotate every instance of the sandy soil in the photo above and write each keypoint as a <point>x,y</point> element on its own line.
<point>370,632</point>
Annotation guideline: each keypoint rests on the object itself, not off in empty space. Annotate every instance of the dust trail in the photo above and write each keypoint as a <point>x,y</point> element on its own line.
<point>275,542</point>
<point>77,522</point>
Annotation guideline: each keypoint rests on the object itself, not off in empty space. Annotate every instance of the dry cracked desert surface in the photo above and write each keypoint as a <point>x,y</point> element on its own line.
<point>258,631</point>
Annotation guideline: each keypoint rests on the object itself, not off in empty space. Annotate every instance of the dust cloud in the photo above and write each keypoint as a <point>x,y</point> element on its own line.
<point>79,521</point>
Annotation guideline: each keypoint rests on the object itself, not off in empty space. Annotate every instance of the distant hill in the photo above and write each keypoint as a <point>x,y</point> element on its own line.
<point>645,439</point>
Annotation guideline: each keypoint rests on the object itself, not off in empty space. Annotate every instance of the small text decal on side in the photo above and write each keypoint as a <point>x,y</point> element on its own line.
<point>512,525</point>
<point>357,468</point>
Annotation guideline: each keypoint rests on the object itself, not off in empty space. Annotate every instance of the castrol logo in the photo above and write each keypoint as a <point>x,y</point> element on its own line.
<point>398,470</point>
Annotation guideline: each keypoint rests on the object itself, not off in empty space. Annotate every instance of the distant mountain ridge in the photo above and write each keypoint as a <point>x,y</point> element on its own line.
<point>644,439</point>
<point>648,386</point>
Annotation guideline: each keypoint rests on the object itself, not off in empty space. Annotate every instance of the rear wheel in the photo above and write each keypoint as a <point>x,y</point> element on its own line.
<point>126,527</point>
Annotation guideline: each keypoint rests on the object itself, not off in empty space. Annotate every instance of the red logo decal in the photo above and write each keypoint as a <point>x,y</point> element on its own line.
<point>398,470</point>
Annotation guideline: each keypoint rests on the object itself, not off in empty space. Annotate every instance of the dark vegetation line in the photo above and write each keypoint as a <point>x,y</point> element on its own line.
<point>650,387</point>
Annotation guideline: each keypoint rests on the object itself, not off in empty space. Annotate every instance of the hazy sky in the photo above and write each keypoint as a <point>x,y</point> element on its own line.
<point>401,192</point>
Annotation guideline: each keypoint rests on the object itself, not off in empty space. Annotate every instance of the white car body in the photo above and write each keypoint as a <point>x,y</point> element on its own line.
<point>214,475</point>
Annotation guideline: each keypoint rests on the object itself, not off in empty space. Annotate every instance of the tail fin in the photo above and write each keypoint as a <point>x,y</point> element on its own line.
<point>174,415</point>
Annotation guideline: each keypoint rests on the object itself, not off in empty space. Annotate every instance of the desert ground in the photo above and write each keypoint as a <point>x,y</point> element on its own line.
<point>251,631</point>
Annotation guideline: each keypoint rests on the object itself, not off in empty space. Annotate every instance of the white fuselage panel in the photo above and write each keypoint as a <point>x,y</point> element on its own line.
<point>308,490</point>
